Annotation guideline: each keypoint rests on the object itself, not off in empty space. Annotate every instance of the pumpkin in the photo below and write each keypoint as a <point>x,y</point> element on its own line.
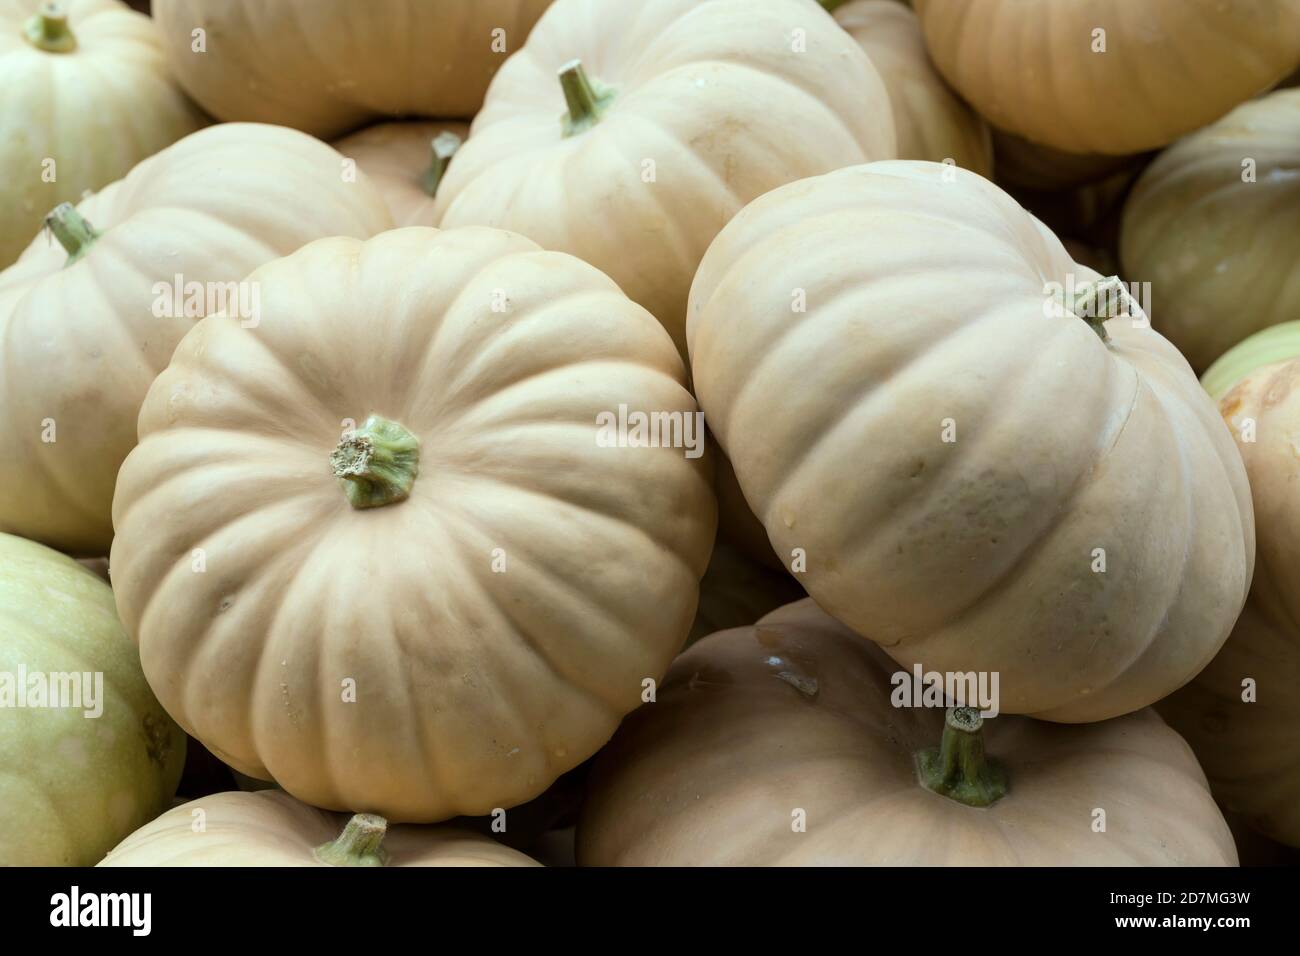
<point>86,752</point>
<point>87,326</point>
<point>1239,713</point>
<point>931,121</point>
<point>406,162</point>
<point>1273,344</point>
<point>436,574</point>
<point>65,129</point>
<point>1211,225</point>
<point>330,66</point>
<point>736,591</point>
<point>985,477</point>
<point>1109,76</point>
<point>736,522</point>
<point>678,113</point>
<point>781,745</point>
<point>270,828</point>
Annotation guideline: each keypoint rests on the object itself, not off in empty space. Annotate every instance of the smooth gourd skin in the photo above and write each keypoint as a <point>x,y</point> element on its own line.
<point>1169,66</point>
<point>96,110</point>
<point>1276,343</point>
<point>925,319</point>
<point>931,121</point>
<point>71,786</point>
<point>794,714</point>
<point>330,66</point>
<point>1251,750</point>
<point>712,93</point>
<point>271,828</point>
<point>499,621</point>
<point>83,341</point>
<point>397,158</point>
<point>1220,252</point>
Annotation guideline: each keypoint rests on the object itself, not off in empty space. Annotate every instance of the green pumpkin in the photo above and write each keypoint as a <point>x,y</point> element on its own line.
<point>72,786</point>
<point>1277,343</point>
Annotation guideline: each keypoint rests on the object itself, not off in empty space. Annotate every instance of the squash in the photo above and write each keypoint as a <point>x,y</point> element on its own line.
<point>736,591</point>
<point>436,574</point>
<point>1273,344</point>
<point>330,66</point>
<point>406,162</point>
<point>976,485</point>
<point>270,828</point>
<point>1212,224</point>
<point>65,129</point>
<point>1244,733</point>
<point>736,522</point>
<point>1109,76</point>
<point>77,777</point>
<point>931,121</point>
<point>690,110</point>
<point>781,745</point>
<point>88,326</point>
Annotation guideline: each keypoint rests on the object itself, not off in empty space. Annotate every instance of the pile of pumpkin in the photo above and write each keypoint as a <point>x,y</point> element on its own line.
<point>371,560</point>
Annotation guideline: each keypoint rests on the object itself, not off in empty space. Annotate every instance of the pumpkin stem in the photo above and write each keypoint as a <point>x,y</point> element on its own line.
<point>73,232</point>
<point>831,5</point>
<point>48,30</point>
<point>358,845</point>
<point>444,147</point>
<point>958,768</point>
<point>379,462</point>
<point>1095,302</point>
<point>587,99</point>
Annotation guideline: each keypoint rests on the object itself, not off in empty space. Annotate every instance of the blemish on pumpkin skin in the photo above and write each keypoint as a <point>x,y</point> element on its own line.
<point>157,738</point>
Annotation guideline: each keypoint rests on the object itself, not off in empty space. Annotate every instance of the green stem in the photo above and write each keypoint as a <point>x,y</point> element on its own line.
<point>73,232</point>
<point>48,30</point>
<point>358,845</point>
<point>832,5</point>
<point>1095,302</point>
<point>587,99</point>
<point>379,462</point>
<point>958,768</point>
<point>444,147</point>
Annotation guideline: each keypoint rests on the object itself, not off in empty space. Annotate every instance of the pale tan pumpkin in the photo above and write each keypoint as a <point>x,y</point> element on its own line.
<point>491,580</point>
<point>1277,343</point>
<point>1212,225</point>
<point>271,828</point>
<point>680,112</point>
<point>970,444</point>
<point>406,162</point>
<point>85,333</point>
<point>1239,713</point>
<point>1110,76</point>
<point>329,66</point>
<point>779,744</point>
<point>87,95</point>
<point>930,119</point>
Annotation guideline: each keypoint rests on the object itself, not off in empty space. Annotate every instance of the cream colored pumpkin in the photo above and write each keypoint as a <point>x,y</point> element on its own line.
<point>77,777</point>
<point>736,591</point>
<point>87,95</point>
<point>406,162</point>
<point>329,66</point>
<point>1110,76</point>
<point>792,721</point>
<point>1249,747</point>
<point>680,112</point>
<point>1276,343</point>
<point>931,121</point>
<point>1212,226</point>
<point>271,828</point>
<point>978,480</point>
<point>85,334</point>
<point>491,580</point>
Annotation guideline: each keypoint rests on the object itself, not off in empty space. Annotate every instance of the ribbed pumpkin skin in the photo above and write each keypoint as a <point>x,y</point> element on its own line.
<point>474,689</point>
<point>329,66</point>
<point>271,828</point>
<point>925,305</point>
<point>1220,253</point>
<point>931,121</point>
<point>395,157</point>
<point>72,786</point>
<point>82,342</point>
<point>96,111</point>
<point>712,92</point>
<point>1251,750</point>
<point>795,714</point>
<point>1169,67</point>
